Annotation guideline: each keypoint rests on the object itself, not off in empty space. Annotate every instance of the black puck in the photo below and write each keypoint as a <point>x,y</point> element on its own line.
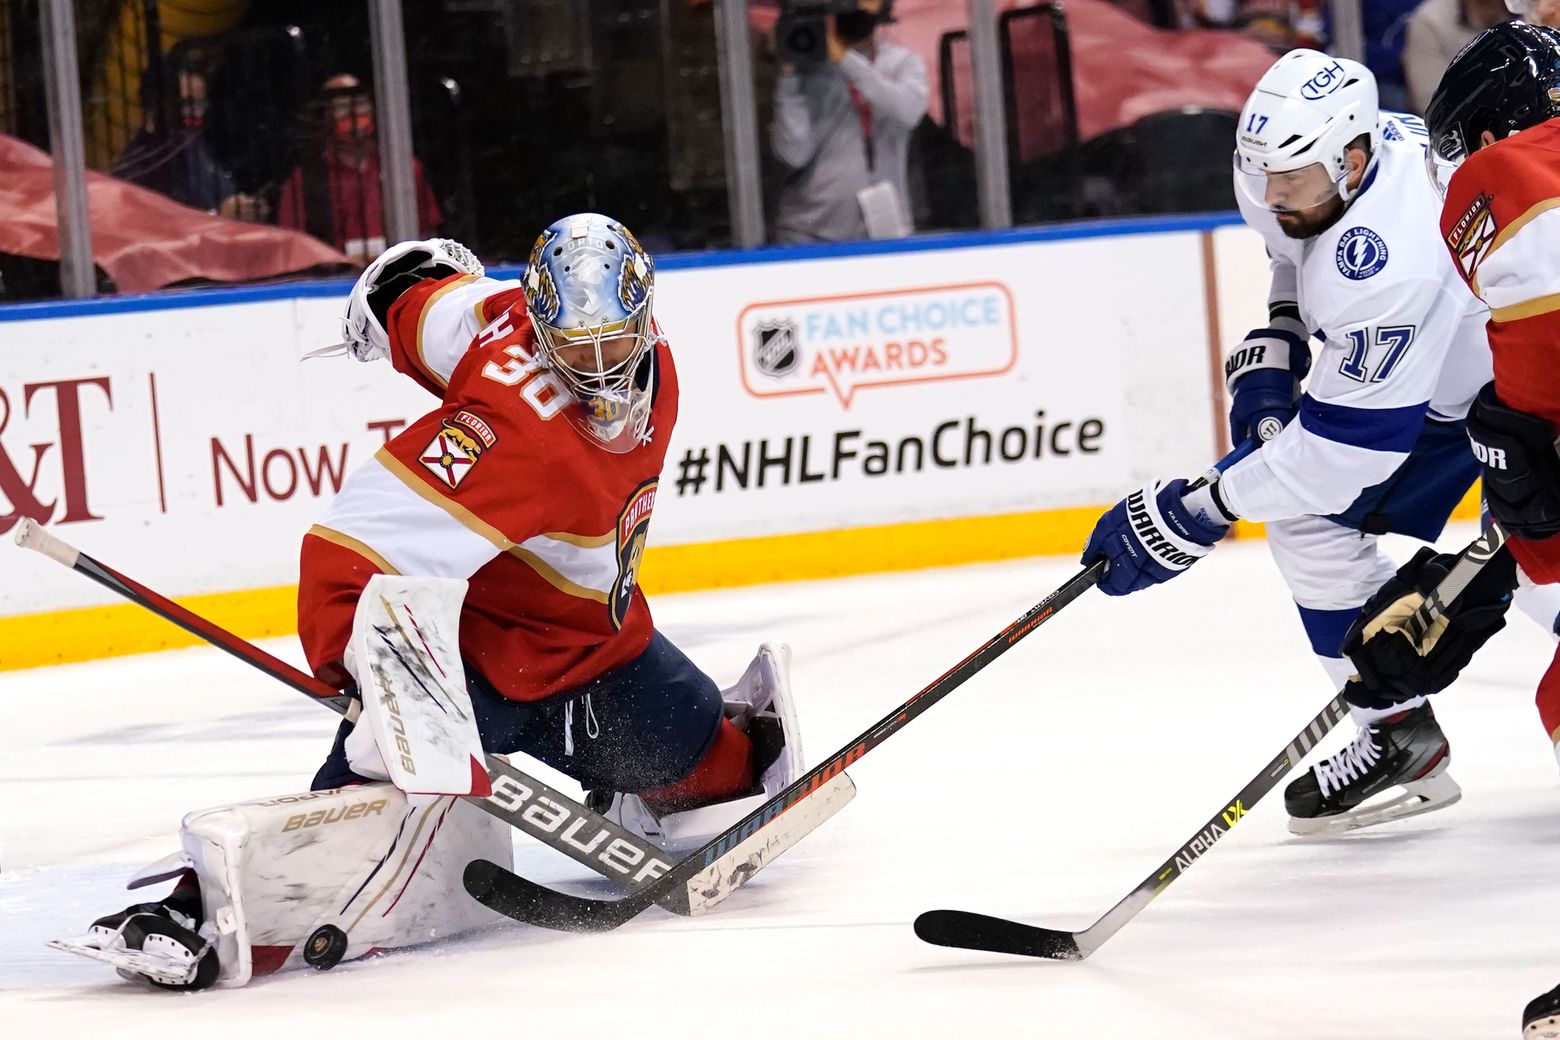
<point>325,947</point>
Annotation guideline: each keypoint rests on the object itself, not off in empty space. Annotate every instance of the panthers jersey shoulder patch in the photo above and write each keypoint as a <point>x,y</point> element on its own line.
<point>1471,235</point>
<point>456,448</point>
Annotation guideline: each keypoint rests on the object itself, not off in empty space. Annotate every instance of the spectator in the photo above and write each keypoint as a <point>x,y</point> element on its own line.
<point>1279,25</point>
<point>336,195</point>
<point>1537,12</point>
<point>842,130</point>
<point>1437,30</point>
<point>170,154</point>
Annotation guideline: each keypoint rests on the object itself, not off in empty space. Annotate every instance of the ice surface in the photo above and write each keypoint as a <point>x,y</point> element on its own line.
<point>1044,789</point>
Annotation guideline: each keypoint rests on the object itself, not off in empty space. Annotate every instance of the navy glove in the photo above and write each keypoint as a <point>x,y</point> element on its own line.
<point>1150,537</point>
<point>1263,377</point>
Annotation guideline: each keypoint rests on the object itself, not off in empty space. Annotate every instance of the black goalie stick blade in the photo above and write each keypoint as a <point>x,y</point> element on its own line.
<point>967,931</point>
<point>516,897</point>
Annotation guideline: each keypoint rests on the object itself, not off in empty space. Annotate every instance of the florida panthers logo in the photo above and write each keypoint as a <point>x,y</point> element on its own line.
<point>1472,235</point>
<point>457,446</point>
<point>633,530</point>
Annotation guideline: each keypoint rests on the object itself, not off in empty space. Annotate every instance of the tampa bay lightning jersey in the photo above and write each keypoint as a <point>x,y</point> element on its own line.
<point>1401,339</point>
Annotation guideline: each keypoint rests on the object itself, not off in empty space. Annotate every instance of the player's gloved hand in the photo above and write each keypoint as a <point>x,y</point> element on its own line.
<point>1149,537</point>
<point>1521,467</point>
<point>1393,666</point>
<point>1263,377</point>
<point>393,272</point>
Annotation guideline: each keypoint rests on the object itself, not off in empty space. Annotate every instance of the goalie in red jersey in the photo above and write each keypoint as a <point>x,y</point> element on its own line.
<point>477,582</point>
<point>535,480</point>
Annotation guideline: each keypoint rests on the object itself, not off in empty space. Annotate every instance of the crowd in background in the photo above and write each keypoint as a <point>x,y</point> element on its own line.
<point>856,144</point>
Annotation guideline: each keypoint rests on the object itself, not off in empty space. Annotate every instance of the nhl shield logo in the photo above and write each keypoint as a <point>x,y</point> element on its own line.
<point>775,351</point>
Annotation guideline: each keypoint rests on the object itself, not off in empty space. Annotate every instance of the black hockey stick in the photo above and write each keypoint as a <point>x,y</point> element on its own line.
<point>518,799</point>
<point>971,931</point>
<point>531,903</point>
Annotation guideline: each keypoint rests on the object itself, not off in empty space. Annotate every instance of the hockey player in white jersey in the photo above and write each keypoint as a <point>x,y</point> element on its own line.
<point>1338,192</point>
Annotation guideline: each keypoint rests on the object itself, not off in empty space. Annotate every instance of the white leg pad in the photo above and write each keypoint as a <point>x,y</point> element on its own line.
<point>387,873</point>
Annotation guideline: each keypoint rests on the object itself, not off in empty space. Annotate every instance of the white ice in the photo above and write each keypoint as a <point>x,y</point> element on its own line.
<point>1043,790</point>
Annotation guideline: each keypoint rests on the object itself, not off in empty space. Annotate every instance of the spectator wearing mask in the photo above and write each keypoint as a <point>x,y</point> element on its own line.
<point>842,131</point>
<point>1437,30</point>
<point>171,155</point>
<point>336,196</point>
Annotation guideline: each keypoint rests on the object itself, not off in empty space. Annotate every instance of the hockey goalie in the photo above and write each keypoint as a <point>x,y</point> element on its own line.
<point>476,582</point>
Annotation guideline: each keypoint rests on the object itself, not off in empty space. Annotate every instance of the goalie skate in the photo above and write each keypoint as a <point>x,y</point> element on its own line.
<point>157,942</point>
<point>1407,751</point>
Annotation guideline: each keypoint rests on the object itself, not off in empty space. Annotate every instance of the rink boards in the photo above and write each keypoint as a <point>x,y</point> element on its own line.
<point>843,410</point>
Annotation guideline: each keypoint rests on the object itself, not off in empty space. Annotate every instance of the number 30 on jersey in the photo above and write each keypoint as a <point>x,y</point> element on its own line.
<point>539,388</point>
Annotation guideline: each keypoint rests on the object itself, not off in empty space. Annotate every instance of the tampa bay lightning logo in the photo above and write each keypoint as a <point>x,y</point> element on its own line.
<point>1361,253</point>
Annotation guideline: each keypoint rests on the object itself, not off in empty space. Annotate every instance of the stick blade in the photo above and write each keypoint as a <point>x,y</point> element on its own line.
<point>969,931</point>
<point>529,903</point>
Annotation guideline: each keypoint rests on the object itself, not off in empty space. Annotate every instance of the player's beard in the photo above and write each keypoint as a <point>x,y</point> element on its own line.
<point>1308,223</point>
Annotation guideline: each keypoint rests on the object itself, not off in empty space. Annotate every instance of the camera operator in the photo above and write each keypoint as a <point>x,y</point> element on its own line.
<point>842,126</point>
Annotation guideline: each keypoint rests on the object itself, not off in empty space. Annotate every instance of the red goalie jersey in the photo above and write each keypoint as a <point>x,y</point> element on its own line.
<point>496,485</point>
<point>1502,223</point>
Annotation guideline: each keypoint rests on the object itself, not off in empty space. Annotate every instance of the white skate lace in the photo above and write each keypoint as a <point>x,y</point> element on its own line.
<point>1350,764</point>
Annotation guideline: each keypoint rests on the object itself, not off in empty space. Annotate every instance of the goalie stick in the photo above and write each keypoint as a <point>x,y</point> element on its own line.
<point>531,903</point>
<point>518,799</point>
<point>971,931</point>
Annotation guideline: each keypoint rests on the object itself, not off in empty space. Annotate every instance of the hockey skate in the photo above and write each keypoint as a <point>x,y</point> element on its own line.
<point>156,942</point>
<point>759,704</point>
<point>1407,750</point>
<point>1541,1018</point>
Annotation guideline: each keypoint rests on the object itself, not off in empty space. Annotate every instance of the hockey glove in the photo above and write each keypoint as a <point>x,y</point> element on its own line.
<point>1392,666</point>
<point>396,270</point>
<point>1149,537</point>
<point>1263,377</point>
<point>1521,468</point>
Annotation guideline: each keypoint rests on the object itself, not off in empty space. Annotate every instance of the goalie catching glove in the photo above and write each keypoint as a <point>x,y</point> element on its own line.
<point>1393,666</point>
<point>393,272</point>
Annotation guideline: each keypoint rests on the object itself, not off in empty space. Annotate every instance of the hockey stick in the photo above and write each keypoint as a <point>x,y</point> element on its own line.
<point>971,931</point>
<point>518,799</point>
<point>531,903</point>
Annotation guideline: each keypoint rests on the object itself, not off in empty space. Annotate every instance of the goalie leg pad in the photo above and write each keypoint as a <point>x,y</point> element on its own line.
<point>388,874</point>
<point>417,728</point>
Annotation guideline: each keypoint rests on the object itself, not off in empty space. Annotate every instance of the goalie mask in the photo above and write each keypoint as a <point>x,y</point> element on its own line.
<point>588,289</point>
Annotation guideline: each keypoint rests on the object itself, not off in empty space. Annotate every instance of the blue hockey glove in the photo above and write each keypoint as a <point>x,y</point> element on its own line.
<point>1263,377</point>
<point>1150,537</point>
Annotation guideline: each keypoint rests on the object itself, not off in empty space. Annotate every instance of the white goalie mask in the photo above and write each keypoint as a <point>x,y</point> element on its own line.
<point>1292,143</point>
<point>588,288</point>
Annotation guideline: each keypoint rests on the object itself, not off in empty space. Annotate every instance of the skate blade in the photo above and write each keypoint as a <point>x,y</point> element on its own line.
<point>1433,792</point>
<point>1546,1028</point>
<point>136,962</point>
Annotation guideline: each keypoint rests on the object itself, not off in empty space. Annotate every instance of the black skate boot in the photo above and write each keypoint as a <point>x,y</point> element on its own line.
<point>158,942</point>
<point>1406,750</point>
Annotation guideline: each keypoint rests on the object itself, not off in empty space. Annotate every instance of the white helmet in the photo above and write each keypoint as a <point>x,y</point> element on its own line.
<point>1304,111</point>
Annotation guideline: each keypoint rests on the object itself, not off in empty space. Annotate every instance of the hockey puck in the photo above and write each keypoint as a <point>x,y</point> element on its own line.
<point>325,948</point>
